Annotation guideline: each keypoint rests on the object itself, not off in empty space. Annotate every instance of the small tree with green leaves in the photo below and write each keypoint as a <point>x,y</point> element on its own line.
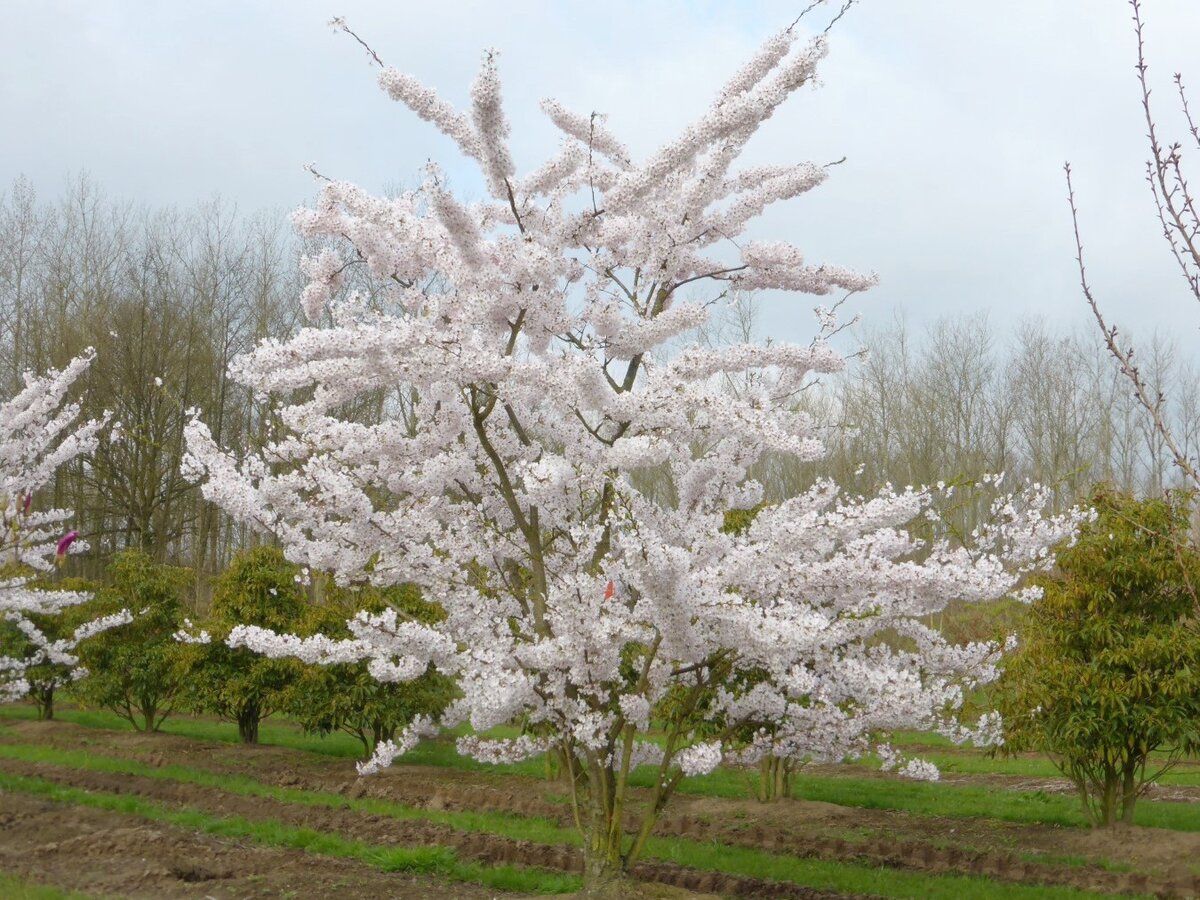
<point>1106,679</point>
<point>260,587</point>
<point>138,670</point>
<point>346,697</point>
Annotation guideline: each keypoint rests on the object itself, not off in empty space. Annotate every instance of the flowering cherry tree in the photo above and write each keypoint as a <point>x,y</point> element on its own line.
<point>39,433</point>
<point>526,344</point>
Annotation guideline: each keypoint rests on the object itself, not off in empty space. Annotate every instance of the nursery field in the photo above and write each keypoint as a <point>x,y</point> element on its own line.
<point>89,808</point>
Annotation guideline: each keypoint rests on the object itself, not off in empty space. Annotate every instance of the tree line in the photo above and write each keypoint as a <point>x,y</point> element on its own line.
<point>959,398</point>
<point>169,297</point>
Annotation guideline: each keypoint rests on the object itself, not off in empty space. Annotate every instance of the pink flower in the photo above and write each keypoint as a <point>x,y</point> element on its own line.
<point>64,543</point>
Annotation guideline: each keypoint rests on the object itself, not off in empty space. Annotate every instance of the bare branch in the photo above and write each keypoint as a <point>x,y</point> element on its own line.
<point>1152,401</point>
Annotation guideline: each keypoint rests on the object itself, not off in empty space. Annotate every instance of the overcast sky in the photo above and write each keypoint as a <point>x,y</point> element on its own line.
<point>955,117</point>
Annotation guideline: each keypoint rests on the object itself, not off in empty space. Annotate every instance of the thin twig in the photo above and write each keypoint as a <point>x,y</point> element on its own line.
<point>339,24</point>
<point>1151,401</point>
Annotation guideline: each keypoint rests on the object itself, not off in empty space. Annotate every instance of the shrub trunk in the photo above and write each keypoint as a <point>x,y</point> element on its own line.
<point>43,697</point>
<point>247,721</point>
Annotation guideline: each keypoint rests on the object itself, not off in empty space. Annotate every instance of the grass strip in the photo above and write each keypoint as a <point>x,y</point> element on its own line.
<point>743,861</point>
<point>941,751</point>
<point>434,860</point>
<point>14,888</point>
<point>960,759</point>
<point>968,802</point>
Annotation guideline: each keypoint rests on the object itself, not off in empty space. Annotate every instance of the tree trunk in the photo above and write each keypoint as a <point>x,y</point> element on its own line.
<point>1108,809</point>
<point>149,714</point>
<point>1128,794</point>
<point>774,779</point>
<point>44,698</point>
<point>556,767</point>
<point>604,876</point>
<point>380,732</point>
<point>605,872</point>
<point>247,720</point>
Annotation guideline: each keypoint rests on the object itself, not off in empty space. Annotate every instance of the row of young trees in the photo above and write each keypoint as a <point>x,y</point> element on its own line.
<point>145,663</point>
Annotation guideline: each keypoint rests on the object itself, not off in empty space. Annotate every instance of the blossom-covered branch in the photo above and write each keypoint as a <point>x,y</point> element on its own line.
<point>39,432</point>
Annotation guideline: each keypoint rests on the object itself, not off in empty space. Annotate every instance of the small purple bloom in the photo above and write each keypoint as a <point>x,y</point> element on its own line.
<point>64,542</point>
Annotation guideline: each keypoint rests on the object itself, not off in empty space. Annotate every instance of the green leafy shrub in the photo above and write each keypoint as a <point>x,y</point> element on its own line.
<point>138,670</point>
<point>1108,668</point>
<point>345,697</point>
<point>258,588</point>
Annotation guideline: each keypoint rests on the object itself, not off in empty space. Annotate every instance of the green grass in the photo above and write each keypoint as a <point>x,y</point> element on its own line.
<point>953,800</point>
<point>695,855</point>
<point>964,801</point>
<point>14,888</point>
<point>270,732</point>
<point>437,861</point>
<point>280,733</point>
<point>952,758</point>
<point>880,881</point>
<point>723,783</point>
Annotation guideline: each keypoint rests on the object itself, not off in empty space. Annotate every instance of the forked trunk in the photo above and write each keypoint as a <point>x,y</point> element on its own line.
<point>774,779</point>
<point>248,717</point>
<point>44,698</point>
<point>149,717</point>
<point>604,877</point>
<point>605,866</point>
